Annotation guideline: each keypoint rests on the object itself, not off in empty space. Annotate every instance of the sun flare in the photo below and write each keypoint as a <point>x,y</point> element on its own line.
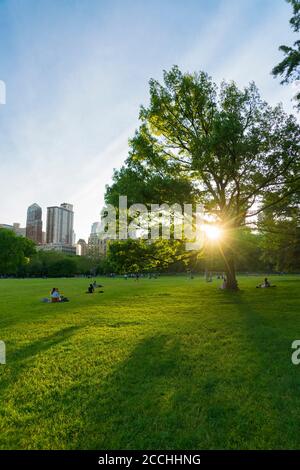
<point>212,232</point>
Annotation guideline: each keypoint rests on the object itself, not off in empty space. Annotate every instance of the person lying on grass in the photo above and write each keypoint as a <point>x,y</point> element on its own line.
<point>266,283</point>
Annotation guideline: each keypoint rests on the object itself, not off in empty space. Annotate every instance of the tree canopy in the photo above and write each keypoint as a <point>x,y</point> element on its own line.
<point>15,251</point>
<point>289,67</point>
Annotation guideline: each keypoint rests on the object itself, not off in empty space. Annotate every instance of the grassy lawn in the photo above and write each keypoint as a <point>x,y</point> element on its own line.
<point>168,363</point>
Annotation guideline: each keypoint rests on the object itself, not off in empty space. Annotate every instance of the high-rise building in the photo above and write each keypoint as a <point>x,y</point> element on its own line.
<point>60,221</point>
<point>96,227</point>
<point>34,224</point>
<point>82,247</point>
<point>97,246</point>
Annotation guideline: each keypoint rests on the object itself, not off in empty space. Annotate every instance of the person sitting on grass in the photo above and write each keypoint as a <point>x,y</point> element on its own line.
<point>91,289</point>
<point>55,295</point>
<point>265,284</point>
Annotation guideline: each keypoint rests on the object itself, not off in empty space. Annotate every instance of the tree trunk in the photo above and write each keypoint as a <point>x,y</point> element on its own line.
<point>231,282</point>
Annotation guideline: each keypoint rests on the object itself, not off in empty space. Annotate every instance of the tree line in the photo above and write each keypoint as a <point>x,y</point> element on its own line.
<point>258,252</point>
<point>19,257</point>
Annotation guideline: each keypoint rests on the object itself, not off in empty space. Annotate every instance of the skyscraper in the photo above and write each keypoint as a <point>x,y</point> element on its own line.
<point>97,246</point>
<point>82,247</point>
<point>96,227</point>
<point>34,224</point>
<point>60,224</point>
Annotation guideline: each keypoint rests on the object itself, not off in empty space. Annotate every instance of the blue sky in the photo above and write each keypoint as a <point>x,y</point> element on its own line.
<point>76,72</point>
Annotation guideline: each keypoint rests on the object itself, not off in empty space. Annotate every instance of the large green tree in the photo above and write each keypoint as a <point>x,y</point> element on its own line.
<point>289,67</point>
<point>135,256</point>
<point>15,251</point>
<point>231,147</point>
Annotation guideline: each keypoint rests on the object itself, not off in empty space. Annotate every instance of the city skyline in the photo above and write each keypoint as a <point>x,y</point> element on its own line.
<point>35,214</point>
<point>72,100</point>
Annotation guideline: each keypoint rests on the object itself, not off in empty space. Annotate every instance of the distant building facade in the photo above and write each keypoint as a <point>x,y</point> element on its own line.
<point>21,231</point>
<point>34,224</point>
<point>82,247</point>
<point>16,227</point>
<point>60,220</point>
<point>96,227</point>
<point>97,246</point>
<point>60,247</point>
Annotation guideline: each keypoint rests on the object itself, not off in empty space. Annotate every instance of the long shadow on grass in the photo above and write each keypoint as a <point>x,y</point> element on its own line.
<point>159,398</point>
<point>276,381</point>
<point>42,344</point>
<point>263,331</point>
<point>17,360</point>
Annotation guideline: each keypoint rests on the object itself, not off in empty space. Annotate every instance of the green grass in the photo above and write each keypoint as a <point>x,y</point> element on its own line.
<point>169,363</point>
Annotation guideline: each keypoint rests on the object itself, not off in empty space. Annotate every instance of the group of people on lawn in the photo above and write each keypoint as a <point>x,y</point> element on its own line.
<point>56,296</point>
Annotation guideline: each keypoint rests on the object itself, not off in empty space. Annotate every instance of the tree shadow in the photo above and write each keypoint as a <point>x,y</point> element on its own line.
<point>20,358</point>
<point>130,407</point>
<point>42,344</point>
<point>275,380</point>
<point>260,329</point>
<point>161,397</point>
